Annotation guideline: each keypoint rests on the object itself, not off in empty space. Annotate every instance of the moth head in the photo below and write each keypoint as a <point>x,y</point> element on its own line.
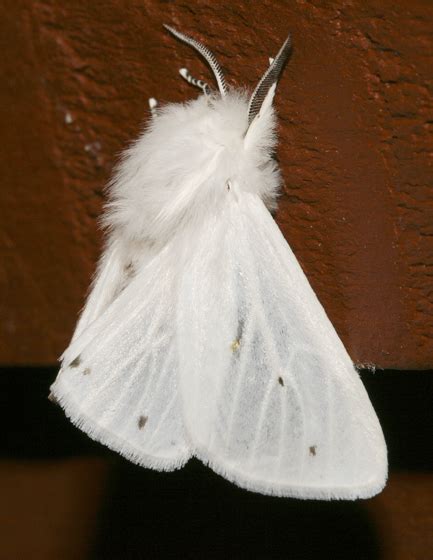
<point>196,155</point>
<point>239,127</point>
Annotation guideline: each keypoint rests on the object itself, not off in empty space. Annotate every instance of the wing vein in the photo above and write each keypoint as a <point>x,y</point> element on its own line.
<point>276,362</point>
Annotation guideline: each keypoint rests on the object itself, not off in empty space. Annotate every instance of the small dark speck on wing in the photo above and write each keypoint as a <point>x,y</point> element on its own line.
<point>76,362</point>
<point>129,269</point>
<point>281,381</point>
<point>313,450</point>
<point>141,422</point>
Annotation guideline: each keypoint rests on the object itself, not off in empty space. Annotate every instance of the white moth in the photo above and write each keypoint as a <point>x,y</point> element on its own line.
<point>201,335</point>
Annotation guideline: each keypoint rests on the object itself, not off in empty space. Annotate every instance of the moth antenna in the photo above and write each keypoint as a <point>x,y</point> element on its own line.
<point>206,53</point>
<point>193,81</point>
<point>269,78</point>
<point>153,104</point>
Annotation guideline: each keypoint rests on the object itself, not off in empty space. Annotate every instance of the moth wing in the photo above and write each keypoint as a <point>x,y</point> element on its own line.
<point>271,399</point>
<point>118,382</point>
<point>114,272</point>
<point>105,285</point>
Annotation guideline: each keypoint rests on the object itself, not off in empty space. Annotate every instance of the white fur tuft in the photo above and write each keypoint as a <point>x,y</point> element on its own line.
<point>181,164</point>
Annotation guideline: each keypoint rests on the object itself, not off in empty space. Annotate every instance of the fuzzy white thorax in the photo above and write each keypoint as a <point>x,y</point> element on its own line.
<point>178,169</point>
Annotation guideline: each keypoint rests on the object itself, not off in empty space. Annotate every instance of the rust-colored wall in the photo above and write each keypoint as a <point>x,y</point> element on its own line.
<point>51,509</point>
<point>356,151</point>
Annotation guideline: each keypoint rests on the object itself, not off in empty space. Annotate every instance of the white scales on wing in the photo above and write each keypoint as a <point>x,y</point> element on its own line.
<point>119,378</point>
<point>271,399</point>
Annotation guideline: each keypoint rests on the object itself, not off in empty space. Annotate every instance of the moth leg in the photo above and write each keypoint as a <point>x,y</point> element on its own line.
<point>193,81</point>
<point>153,104</point>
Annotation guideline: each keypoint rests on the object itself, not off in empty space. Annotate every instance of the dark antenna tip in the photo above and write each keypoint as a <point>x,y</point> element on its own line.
<point>205,52</point>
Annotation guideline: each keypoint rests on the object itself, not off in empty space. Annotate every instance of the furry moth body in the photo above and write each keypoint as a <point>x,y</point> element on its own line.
<point>201,335</point>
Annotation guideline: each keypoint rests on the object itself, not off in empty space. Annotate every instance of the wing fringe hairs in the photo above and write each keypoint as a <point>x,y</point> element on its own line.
<point>201,335</point>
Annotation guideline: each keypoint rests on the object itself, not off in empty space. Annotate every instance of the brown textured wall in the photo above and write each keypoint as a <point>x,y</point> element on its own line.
<point>356,116</point>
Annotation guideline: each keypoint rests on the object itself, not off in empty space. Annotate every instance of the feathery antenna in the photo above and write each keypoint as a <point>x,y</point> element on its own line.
<point>269,78</point>
<point>206,53</point>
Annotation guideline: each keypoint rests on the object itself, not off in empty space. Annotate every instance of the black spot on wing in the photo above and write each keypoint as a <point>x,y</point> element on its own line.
<point>76,362</point>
